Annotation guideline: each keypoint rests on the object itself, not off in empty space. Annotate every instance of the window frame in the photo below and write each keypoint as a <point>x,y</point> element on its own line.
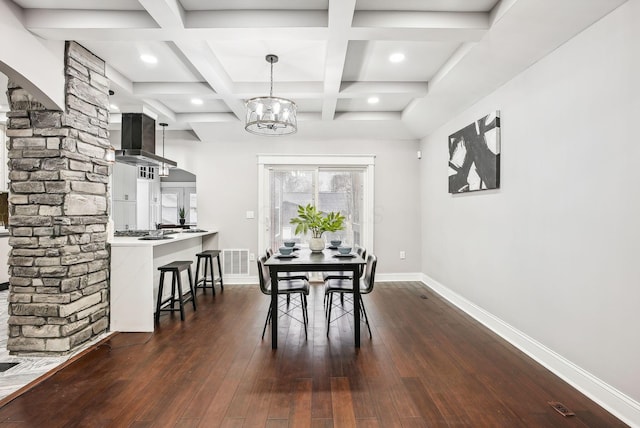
<point>266,162</point>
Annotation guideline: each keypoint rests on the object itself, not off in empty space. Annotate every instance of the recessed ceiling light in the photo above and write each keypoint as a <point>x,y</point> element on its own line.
<point>149,59</point>
<point>373,100</point>
<point>196,101</point>
<point>396,57</point>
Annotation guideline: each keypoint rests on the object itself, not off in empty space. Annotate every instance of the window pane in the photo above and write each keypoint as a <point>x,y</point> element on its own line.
<point>342,191</point>
<point>169,208</point>
<point>289,188</point>
<point>193,208</point>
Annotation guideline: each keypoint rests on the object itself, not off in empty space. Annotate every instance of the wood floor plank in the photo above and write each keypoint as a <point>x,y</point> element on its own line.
<point>427,364</point>
<point>301,411</point>
<point>343,414</point>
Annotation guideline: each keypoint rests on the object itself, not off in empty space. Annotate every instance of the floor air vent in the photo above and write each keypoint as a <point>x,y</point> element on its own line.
<point>235,262</point>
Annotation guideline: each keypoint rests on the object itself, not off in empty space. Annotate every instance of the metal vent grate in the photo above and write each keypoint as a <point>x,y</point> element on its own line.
<point>235,262</point>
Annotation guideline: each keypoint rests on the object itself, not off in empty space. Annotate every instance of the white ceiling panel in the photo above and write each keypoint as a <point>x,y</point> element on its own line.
<point>386,103</point>
<point>428,5</point>
<point>80,4</point>
<point>254,4</point>
<point>369,61</point>
<point>299,61</point>
<point>125,58</point>
<point>183,104</point>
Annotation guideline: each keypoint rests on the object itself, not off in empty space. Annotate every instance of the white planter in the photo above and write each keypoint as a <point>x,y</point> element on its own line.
<point>316,244</point>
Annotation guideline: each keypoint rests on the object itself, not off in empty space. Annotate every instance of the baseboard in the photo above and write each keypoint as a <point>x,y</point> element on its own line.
<point>393,277</point>
<point>240,280</point>
<point>619,404</point>
<point>4,286</point>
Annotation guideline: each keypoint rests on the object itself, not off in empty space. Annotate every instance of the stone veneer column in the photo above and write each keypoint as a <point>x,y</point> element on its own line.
<point>58,209</point>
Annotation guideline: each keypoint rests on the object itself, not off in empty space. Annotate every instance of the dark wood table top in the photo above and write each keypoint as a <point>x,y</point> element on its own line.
<point>306,260</point>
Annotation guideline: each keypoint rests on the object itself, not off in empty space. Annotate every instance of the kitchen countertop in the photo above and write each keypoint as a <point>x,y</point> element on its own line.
<point>132,241</point>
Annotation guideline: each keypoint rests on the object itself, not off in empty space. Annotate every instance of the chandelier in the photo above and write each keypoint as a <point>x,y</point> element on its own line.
<point>163,171</point>
<point>271,115</point>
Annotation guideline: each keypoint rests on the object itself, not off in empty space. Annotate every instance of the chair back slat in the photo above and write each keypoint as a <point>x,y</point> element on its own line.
<point>263,275</point>
<point>269,252</point>
<point>369,274</point>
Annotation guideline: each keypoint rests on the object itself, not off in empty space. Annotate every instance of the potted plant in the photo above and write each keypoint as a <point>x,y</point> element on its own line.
<point>310,219</point>
<point>181,214</point>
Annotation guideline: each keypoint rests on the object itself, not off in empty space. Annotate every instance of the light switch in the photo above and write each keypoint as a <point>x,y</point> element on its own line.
<point>250,214</point>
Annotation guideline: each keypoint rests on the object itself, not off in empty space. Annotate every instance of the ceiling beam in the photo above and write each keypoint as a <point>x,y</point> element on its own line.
<point>423,20</point>
<point>160,109</point>
<point>340,17</point>
<point>358,89</point>
<point>202,58</point>
<point>172,88</point>
<point>167,13</point>
<point>186,35</point>
<point>66,19</point>
<point>256,18</point>
<point>170,15</point>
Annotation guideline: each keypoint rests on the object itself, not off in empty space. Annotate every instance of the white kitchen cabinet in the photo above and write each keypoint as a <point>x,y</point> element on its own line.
<point>124,215</point>
<point>125,179</point>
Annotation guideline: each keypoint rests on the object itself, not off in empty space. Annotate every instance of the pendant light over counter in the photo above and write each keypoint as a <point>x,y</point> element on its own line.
<point>163,170</point>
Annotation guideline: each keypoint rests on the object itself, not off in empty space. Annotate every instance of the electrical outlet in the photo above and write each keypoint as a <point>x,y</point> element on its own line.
<point>252,257</point>
<point>250,214</point>
<point>403,255</point>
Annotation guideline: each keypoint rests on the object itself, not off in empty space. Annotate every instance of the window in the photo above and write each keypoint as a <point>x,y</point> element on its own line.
<point>343,183</point>
<point>174,198</point>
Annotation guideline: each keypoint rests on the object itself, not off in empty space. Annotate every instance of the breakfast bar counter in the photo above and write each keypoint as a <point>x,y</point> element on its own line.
<point>135,275</point>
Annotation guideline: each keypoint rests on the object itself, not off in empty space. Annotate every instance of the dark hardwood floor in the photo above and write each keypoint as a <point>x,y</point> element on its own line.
<point>428,364</point>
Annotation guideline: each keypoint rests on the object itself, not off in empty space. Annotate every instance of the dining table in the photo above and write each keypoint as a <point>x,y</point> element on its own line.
<point>305,260</point>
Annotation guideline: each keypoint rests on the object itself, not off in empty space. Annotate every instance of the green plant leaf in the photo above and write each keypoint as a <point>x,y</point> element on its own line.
<point>311,219</point>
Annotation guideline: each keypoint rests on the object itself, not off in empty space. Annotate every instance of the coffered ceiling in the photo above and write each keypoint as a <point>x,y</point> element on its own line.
<point>334,56</point>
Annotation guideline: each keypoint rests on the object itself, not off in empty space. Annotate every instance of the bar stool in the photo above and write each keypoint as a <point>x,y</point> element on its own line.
<point>208,256</point>
<point>175,268</point>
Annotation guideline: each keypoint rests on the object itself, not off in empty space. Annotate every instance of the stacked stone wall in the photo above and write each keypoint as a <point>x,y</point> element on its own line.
<point>58,212</point>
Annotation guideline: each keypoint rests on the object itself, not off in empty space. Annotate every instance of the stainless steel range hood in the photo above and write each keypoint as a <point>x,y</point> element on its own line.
<point>138,142</point>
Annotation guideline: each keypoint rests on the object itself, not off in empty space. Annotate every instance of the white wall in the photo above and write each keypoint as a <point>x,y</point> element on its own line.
<point>554,252</point>
<point>35,64</point>
<point>227,184</point>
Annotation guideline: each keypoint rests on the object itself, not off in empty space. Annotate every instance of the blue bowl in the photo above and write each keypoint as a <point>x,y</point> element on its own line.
<point>285,251</point>
<point>344,250</point>
<point>336,242</point>
<point>289,243</point>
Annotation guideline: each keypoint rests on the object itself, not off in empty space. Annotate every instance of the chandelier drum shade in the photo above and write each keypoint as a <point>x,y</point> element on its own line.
<point>163,171</point>
<point>271,115</point>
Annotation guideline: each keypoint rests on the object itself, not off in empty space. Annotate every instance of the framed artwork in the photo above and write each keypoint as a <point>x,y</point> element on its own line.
<point>474,156</point>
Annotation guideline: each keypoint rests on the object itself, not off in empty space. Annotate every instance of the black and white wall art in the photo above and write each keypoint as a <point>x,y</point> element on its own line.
<point>474,156</point>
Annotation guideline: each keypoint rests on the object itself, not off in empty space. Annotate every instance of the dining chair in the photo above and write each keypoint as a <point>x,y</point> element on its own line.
<point>362,252</point>
<point>288,275</point>
<point>288,287</point>
<point>344,286</point>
